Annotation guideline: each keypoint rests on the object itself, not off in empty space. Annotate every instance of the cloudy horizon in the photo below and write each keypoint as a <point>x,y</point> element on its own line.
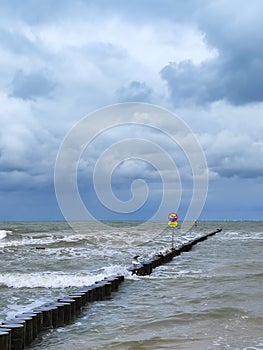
<point>61,61</point>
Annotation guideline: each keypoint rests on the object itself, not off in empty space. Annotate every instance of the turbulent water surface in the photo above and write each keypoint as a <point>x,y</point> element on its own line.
<point>208,298</point>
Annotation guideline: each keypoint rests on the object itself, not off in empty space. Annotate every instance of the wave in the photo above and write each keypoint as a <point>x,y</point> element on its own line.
<point>4,233</point>
<point>241,236</point>
<point>59,280</point>
<point>39,239</point>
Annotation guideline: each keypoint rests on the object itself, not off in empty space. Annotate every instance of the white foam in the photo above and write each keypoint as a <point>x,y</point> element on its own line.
<point>55,279</point>
<point>33,239</point>
<point>15,309</point>
<point>233,235</point>
<point>29,241</point>
<point>4,233</point>
<point>116,270</point>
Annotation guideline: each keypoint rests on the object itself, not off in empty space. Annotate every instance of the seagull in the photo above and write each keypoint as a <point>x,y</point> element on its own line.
<point>135,260</point>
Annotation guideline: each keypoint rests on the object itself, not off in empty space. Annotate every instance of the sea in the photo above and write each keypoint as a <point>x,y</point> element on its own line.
<point>208,298</point>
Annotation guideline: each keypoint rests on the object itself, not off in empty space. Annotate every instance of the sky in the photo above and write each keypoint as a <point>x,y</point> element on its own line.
<point>61,61</point>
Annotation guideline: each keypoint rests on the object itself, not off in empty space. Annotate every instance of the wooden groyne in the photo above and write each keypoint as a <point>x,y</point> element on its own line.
<point>147,266</point>
<point>20,331</point>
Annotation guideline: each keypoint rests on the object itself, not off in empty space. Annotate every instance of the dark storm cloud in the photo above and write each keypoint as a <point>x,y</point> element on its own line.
<point>235,74</point>
<point>31,86</point>
<point>108,51</point>
<point>197,84</point>
<point>233,78</point>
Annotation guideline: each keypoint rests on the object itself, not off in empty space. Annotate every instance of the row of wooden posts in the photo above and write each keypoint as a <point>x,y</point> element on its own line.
<point>147,266</point>
<point>22,330</point>
<point>19,332</point>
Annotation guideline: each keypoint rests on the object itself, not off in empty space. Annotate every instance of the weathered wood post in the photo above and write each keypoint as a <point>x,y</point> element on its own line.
<point>5,339</point>
<point>17,331</point>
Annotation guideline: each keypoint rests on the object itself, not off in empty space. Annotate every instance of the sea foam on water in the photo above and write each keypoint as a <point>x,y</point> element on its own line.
<point>4,233</point>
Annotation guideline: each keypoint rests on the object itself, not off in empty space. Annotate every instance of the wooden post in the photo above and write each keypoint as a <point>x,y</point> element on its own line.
<point>78,302</point>
<point>47,316</point>
<point>108,289</point>
<point>34,316</point>
<point>5,339</point>
<point>27,321</point>
<point>82,294</point>
<point>66,311</point>
<point>72,303</point>
<point>17,331</point>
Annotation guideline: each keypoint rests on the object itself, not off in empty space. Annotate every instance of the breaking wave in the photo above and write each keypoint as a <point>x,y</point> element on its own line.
<point>4,233</point>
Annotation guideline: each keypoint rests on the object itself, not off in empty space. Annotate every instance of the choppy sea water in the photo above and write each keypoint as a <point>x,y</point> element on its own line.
<point>208,298</point>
